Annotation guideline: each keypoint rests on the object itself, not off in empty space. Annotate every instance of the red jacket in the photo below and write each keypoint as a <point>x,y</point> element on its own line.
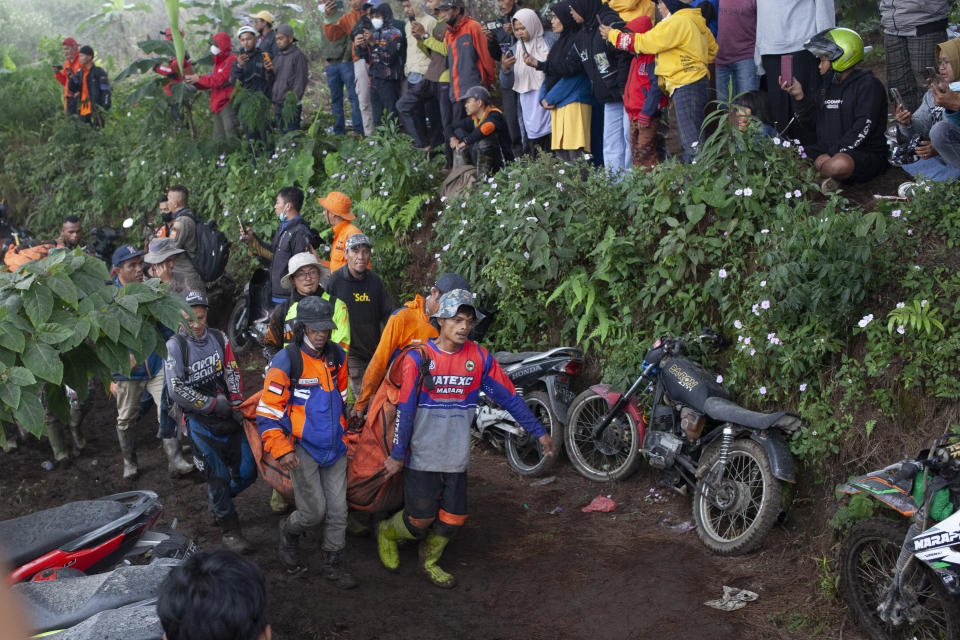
<point>468,58</point>
<point>218,80</point>
<point>639,101</point>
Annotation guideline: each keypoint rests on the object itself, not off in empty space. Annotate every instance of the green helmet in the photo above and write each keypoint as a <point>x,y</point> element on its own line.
<point>842,47</point>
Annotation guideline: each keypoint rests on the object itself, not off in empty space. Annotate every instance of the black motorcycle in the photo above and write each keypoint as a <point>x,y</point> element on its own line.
<point>542,379</point>
<point>733,459</point>
<point>249,319</point>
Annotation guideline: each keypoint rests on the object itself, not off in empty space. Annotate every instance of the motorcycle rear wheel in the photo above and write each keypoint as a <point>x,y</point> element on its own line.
<point>753,495</point>
<point>524,453</point>
<point>236,329</point>
<point>868,557</point>
<point>586,411</point>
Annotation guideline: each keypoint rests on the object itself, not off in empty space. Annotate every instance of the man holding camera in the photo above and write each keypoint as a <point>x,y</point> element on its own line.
<point>250,68</point>
<point>338,60</point>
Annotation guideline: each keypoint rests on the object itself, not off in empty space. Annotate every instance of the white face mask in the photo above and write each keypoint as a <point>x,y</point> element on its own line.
<point>214,49</point>
<point>377,23</point>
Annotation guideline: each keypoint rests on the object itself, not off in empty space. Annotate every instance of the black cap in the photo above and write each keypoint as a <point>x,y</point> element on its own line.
<point>450,281</point>
<point>196,298</point>
<point>316,313</point>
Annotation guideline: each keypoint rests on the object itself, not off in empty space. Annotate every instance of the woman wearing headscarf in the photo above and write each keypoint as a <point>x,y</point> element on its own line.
<point>526,80</point>
<point>566,88</point>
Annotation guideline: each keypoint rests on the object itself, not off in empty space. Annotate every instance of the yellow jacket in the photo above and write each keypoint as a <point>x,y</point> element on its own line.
<point>631,9</point>
<point>683,44</point>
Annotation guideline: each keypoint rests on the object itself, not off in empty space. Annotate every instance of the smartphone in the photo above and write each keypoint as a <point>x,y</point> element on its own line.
<point>505,48</point>
<point>786,68</point>
<point>493,25</point>
<point>932,76</point>
<point>896,97</point>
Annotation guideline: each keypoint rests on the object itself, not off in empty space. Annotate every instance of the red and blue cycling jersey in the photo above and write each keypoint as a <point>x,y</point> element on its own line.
<point>434,426</point>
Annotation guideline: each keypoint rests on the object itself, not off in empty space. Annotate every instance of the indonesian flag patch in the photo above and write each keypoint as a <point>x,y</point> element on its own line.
<point>275,388</point>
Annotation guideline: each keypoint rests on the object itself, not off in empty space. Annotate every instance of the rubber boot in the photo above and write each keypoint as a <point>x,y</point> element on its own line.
<point>430,551</point>
<point>126,439</point>
<point>231,536</point>
<point>58,441</point>
<point>356,527</point>
<point>176,464</point>
<point>389,532</point>
<point>334,572</point>
<point>289,547</point>
<point>76,417</point>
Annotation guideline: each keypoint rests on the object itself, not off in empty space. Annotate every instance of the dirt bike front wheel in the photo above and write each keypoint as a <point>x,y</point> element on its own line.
<point>734,516</point>
<point>615,455</point>
<point>237,326</point>
<point>524,453</point>
<point>868,559</point>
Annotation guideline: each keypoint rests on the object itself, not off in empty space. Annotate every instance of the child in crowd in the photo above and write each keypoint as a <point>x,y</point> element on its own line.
<point>643,101</point>
<point>849,112</point>
<point>526,80</point>
<point>750,107</point>
<point>684,48</point>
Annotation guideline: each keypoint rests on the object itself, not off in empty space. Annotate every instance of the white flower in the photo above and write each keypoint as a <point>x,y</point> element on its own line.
<point>901,330</point>
<point>738,192</point>
<point>865,320</point>
<point>895,213</point>
<point>526,254</point>
<point>746,340</point>
<point>797,193</point>
<point>738,324</point>
<point>719,379</point>
<point>561,171</point>
<point>776,140</point>
<point>803,387</point>
<point>786,144</point>
<point>532,219</point>
<point>765,304</point>
<point>900,305</point>
<point>748,192</point>
<point>722,274</point>
<point>446,247</point>
<point>923,303</point>
<point>909,232</point>
<point>788,195</point>
<point>763,283</point>
<point>752,352</point>
<point>755,310</point>
<point>560,186</point>
<point>763,391</point>
<point>764,231</point>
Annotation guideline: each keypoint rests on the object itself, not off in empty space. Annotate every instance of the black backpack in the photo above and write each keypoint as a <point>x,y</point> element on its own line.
<point>213,249</point>
<point>105,93</point>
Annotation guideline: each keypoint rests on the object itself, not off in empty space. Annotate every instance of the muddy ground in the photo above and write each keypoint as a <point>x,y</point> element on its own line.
<point>529,562</point>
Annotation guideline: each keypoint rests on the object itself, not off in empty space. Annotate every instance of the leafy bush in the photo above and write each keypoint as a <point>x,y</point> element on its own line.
<point>62,323</point>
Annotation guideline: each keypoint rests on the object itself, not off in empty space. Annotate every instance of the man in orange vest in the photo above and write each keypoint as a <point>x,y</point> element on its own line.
<point>91,86</point>
<point>62,73</point>
<point>336,211</point>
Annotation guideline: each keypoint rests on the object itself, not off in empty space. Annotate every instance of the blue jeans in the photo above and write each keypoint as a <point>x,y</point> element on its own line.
<point>744,76</point>
<point>226,462</point>
<point>338,76</point>
<point>945,137</point>
<point>616,137</point>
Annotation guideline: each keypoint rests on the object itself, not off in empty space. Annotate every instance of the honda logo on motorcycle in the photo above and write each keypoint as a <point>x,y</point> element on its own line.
<point>935,540</point>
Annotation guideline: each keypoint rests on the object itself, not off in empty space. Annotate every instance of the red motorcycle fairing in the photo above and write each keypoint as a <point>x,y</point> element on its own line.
<point>611,397</point>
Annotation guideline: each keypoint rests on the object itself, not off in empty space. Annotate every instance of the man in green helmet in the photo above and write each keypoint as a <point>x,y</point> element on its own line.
<point>849,112</point>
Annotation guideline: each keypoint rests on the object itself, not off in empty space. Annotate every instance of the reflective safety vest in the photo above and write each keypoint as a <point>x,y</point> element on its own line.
<point>340,318</point>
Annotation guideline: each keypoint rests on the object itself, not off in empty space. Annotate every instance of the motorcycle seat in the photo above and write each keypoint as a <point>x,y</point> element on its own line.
<point>506,357</point>
<point>28,537</point>
<point>137,621</point>
<point>62,603</point>
<point>725,410</point>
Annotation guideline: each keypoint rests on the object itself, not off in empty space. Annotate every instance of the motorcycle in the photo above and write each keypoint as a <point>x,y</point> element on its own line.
<point>542,379</point>
<point>734,459</point>
<point>250,317</point>
<point>86,535</point>
<point>900,578</point>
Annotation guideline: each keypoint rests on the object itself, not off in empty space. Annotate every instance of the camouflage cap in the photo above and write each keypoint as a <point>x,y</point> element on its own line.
<point>451,301</point>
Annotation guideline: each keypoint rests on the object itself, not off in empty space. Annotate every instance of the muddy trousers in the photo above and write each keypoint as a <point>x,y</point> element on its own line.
<point>321,496</point>
<point>434,498</point>
<point>128,394</point>
<point>356,367</point>
<point>227,464</point>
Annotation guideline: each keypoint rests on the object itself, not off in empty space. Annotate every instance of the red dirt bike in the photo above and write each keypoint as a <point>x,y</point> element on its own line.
<point>86,535</point>
<point>734,460</point>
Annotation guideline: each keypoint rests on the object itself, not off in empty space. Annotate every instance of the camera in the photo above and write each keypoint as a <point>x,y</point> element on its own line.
<point>492,25</point>
<point>902,154</point>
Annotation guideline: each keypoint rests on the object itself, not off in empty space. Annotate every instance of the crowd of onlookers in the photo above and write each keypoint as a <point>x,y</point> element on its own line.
<point>592,77</point>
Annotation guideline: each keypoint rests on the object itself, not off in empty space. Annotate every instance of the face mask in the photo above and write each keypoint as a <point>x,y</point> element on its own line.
<point>377,23</point>
<point>214,49</point>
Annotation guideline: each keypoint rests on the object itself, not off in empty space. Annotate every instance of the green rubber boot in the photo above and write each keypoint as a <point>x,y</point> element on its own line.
<point>430,551</point>
<point>390,531</point>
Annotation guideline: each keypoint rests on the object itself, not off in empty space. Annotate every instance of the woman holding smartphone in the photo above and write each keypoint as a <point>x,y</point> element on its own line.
<point>526,80</point>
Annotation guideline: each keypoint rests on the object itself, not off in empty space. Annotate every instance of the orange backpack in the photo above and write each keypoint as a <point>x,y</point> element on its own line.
<point>266,463</point>
<point>18,255</point>
<point>367,489</point>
